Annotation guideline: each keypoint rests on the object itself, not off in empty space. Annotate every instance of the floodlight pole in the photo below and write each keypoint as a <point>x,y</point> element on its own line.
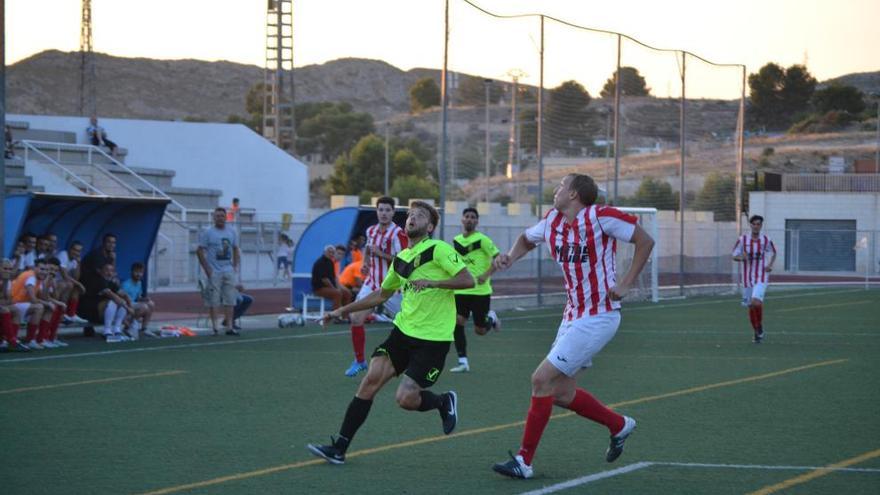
<point>444,103</point>
<point>740,150</point>
<point>487,83</point>
<point>540,151</point>
<point>3,123</point>
<point>387,125</point>
<point>616,122</point>
<point>681,198</point>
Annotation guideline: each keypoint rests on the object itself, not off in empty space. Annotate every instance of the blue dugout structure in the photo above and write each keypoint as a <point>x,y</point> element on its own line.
<point>134,221</point>
<point>334,227</point>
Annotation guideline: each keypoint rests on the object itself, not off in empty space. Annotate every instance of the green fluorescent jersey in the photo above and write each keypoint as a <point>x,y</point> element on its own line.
<point>428,314</point>
<point>477,250</point>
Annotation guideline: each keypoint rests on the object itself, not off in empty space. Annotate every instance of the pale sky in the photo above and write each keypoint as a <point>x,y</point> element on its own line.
<point>835,37</point>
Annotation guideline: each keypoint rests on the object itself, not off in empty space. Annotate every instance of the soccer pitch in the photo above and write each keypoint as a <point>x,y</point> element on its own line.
<point>716,413</point>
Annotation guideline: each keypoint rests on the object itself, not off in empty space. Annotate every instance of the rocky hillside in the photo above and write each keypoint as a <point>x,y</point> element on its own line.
<point>48,83</point>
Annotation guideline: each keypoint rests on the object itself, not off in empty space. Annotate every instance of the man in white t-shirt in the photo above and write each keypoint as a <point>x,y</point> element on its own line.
<point>582,237</point>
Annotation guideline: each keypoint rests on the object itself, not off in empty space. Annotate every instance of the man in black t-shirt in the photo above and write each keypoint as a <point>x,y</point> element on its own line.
<point>103,303</point>
<point>324,283</point>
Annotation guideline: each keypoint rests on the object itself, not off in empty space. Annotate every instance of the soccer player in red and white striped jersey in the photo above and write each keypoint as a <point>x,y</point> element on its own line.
<point>384,240</point>
<point>582,237</point>
<point>752,251</point>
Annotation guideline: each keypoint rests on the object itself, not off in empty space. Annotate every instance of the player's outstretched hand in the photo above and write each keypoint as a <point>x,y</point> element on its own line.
<point>618,292</point>
<point>502,262</point>
<point>330,316</point>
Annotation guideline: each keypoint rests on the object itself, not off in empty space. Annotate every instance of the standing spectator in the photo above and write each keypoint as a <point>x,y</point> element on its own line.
<point>232,214</point>
<point>98,136</point>
<point>8,152</point>
<point>283,256</point>
<point>324,283</point>
<point>219,258</point>
<point>141,305</point>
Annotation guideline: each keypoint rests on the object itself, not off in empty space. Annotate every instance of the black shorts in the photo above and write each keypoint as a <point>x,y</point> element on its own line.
<point>421,360</point>
<point>467,304</point>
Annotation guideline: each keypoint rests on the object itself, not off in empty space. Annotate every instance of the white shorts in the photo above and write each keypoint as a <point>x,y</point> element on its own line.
<point>392,306</point>
<point>22,309</point>
<point>754,292</point>
<point>577,341</point>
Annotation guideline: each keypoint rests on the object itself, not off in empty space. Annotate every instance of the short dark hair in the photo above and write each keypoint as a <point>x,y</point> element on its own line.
<point>76,243</point>
<point>432,212</point>
<point>234,200</point>
<point>340,247</point>
<point>758,218</point>
<point>470,209</point>
<point>387,200</point>
<point>220,208</point>
<point>585,187</point>
<point>137,265</point>
<point>53,261</point>
<point>107,236</point>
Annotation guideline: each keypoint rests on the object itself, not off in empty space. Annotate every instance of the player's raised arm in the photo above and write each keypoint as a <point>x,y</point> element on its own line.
<point>519,249</point>
<point>462,280</point>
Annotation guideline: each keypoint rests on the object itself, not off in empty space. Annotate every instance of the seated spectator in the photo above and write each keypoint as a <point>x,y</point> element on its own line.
<point>141,305</point>
<point>337,260</point>
<point>10,316</point>
<point>324,279</point>
<point>44,247</point>
<point>351,277</point>
<point>242,304</point>
<point>8,151</point>
<point>34,301</point>
<point>28,258</point>
<point>17,256</point>
<point>72,289</point>
<point>98,136</point>
<point>51,295</point>
<point>103,303</point>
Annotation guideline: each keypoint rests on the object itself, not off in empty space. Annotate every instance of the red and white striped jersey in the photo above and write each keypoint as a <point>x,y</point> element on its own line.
<point>585,250</point>
<point>391,241</point>
<point>754,250</point>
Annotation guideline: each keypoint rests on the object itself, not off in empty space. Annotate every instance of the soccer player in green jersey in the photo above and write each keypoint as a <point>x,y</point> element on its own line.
<point>477,250</point>
<point>427,272</point>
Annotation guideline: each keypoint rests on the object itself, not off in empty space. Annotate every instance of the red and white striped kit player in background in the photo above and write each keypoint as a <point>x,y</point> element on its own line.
<point>582,237</point>
<point>384,241</point>
<point>752,251</point>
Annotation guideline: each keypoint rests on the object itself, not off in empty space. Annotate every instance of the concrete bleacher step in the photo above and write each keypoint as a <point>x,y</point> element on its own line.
<point>16,180</point>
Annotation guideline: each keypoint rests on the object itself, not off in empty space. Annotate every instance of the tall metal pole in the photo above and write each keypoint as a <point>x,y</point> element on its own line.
<point>877,155</point>
<point>387,125</point>
<point>444,105</point>
<point>740,153</point>
<point>681,198</point>
<point>607,154</point>
<point>487,83</point>
<point>3,122</point>
<point>540,151</point>
<point>616,122</point>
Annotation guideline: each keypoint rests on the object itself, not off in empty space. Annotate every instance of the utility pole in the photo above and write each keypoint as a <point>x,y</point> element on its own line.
<point>387,125</point>
<point>487,83</point>
<point>514,74</point>
<point>87,93</point>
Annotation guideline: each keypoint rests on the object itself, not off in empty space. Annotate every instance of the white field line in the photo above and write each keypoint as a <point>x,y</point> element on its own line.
<point>588,479</point>
<point>642,465</point>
